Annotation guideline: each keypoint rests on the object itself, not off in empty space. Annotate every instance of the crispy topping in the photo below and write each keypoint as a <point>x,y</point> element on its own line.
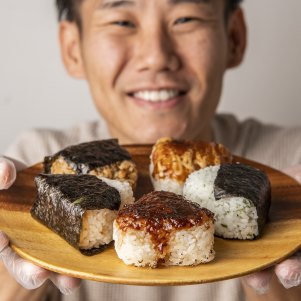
<point>176,159</point>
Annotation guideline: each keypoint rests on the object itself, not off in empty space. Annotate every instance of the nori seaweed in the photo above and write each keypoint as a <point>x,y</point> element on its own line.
<point>240,180</point>
<point>63,199</point>
<point>84,157</point>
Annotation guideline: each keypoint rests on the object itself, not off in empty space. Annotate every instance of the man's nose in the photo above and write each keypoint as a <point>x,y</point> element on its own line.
<point>156,51</point>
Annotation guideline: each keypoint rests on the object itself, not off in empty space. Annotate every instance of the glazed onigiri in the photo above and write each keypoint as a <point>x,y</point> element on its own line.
<point>171,161</point>
<point>164,228</point>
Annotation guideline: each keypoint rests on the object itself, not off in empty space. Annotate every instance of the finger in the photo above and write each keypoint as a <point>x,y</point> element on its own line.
<point>294,172</point>
<point>259,281</point>
<point>67,285</point>
<point>289,271</point>
<point>7,173</point>
<point>4,241</point>
<point>27,274</point>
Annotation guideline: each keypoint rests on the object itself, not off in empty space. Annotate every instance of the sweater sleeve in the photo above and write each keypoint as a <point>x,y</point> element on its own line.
<point>32,146</point>
<point>276,146</point>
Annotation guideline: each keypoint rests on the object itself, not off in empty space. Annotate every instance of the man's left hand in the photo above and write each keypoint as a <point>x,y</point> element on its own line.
<point>288,271</point>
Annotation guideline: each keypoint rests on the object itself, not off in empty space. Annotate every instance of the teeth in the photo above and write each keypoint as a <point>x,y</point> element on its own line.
<point>156,96</point>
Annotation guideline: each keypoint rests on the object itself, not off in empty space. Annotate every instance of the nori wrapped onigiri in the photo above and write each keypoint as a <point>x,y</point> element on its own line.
<point>238,194</point>
<point>80,208</point>
<point>105,158</point>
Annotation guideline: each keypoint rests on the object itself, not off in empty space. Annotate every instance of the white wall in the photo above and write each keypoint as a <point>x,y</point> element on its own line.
<point>36,91</point>
<point>268,84</point>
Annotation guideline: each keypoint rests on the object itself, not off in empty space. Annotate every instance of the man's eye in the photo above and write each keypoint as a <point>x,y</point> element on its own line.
<point>124,23</point>
<point>184,20</point>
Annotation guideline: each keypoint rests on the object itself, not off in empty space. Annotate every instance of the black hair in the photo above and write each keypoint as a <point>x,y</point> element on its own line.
<point>231,5</point>
<point>69,9</point>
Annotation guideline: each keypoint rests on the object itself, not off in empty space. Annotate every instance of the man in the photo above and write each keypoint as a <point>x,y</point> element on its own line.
<point>155,68</point>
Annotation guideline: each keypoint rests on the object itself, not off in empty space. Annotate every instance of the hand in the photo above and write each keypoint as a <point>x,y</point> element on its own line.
<point>31,276</point>
<point>288,271</point>
<point>27,274</point>
<point>7,173</point>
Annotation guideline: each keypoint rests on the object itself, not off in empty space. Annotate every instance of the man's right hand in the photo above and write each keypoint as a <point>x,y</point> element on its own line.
<point>27,274</point>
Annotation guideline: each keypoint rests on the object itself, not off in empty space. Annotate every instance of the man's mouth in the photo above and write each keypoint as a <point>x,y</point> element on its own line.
<point>161,95</point>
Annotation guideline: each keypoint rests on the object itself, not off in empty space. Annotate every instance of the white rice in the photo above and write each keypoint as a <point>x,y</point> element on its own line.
<point>185,247</point>
<point>235,217</point>
<point>166,184</point>
<point>97,225</point>
<point>97,228</point>
<point>124,188</point>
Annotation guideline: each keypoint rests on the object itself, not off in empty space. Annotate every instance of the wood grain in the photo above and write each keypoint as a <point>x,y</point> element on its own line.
<point>35,242</point>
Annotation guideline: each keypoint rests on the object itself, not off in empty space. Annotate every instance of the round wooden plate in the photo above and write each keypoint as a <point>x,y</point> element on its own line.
<point>38,244</point>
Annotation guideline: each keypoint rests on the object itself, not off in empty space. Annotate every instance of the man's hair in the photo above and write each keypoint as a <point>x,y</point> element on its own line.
<point>69,9</point>
<point>231,5</point>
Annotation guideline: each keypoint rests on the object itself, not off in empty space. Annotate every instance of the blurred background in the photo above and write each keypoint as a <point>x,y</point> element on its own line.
<point>35,90</point>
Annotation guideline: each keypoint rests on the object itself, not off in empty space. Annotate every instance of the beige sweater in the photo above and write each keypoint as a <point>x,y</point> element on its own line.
<point>271,145</point>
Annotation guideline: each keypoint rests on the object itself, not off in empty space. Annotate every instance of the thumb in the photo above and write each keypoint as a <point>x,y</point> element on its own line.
<point>259,281</point>
<point>289,271</point>
<point>7,173</point>
<point>67,285</point>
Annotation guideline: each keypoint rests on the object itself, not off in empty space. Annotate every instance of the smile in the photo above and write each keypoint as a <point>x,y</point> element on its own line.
<point>161,95</point>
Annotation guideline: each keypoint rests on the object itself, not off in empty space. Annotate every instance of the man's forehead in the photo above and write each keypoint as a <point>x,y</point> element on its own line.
<point>116,3</point>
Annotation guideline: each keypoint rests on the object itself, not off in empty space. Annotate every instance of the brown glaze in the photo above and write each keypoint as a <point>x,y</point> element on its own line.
<point>159,213</point>
<point>176,159</point>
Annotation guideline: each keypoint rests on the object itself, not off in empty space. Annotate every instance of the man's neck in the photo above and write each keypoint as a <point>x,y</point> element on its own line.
<point>206,134</point>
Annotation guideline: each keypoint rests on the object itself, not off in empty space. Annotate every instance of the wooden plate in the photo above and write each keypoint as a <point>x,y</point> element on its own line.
<point>38,244</point>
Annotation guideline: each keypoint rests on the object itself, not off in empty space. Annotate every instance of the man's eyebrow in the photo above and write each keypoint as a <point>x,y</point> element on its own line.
<point>115,3</point>
<point>189,1</point>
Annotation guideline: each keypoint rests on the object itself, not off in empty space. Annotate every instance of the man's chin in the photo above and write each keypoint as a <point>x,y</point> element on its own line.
<point>151,136</point>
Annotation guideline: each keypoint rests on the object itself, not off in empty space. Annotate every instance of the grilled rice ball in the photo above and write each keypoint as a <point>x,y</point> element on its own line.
<point>164,228</point>
<point>173,160</point>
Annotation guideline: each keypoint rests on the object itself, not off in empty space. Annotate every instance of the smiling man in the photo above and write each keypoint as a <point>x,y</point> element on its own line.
<point>155,68</point>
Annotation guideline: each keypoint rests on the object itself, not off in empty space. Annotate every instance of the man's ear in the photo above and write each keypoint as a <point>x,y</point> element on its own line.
<point>237,38</point>
<point>69,37</point>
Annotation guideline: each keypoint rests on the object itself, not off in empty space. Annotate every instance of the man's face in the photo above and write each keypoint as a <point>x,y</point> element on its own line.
<point>154,67</point>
